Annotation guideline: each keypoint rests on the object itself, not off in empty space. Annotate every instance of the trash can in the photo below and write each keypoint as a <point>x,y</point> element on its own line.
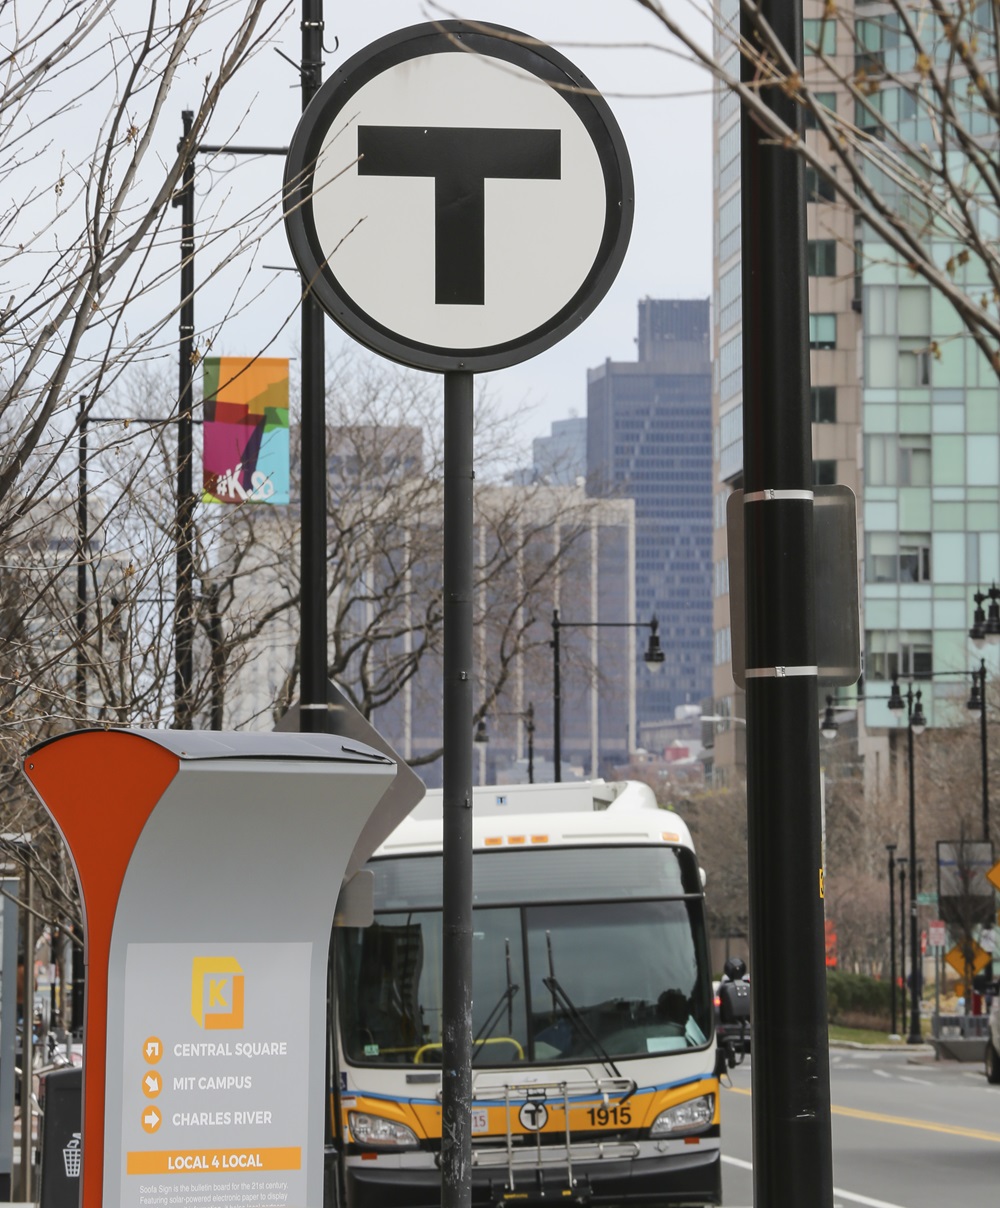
<point>60,1098</point>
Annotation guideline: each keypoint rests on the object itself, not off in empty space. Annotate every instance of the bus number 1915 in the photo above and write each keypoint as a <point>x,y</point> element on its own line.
<point>603,1116</point>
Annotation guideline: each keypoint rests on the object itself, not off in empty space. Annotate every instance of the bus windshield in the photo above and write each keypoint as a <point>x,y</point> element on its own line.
<point>616,973</point>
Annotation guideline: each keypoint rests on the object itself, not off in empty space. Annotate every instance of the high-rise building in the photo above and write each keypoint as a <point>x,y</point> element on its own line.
<point>904,411</point>
<point>649,438</point>
<point>834,344</point>
<point>560,459</point>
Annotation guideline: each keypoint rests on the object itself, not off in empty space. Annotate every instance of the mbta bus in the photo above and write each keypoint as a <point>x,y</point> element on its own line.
<point>594,1075</point>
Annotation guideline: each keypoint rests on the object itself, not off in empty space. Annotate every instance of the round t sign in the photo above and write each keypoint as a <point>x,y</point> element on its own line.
<point>458,197</point>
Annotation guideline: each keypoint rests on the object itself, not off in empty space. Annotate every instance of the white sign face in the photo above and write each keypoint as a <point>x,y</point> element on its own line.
<point>457,199</point>
<point>936,934</point>
<point>216,1062</point>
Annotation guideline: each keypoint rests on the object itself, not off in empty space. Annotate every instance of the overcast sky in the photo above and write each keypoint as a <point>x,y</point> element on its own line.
<point>662,105</point>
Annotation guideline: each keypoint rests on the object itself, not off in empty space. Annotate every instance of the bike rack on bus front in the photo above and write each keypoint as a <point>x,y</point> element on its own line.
<point>557,1094</point>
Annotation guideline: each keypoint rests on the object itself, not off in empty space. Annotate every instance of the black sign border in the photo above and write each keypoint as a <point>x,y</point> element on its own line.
<point>494,41</point>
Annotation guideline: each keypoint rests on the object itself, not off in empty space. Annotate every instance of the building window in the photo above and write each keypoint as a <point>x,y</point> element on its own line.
<point>823,400</point>
<point>915,558</point>
<point>818,188</point>
<point>890,654</point>
<point>821,257</point>
<point>828,100</point>
<point>822,331</point>
<point>824,473</point>
<point>881,557</point>
<point>903,461</point>
<point>820,36</point>
<point>914,461</point>
<point>897,559</point>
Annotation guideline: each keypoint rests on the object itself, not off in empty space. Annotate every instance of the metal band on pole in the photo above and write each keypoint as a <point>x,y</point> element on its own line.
<point>778,672</point>
<point>456,1002</point>
<point>775,496</point>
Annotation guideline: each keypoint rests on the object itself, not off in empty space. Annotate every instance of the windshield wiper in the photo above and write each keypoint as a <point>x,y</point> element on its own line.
<point>551,983</point>
<point>506,998</point>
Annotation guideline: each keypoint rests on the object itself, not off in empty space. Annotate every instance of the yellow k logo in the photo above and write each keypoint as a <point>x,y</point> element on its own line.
<point>216,1002</point>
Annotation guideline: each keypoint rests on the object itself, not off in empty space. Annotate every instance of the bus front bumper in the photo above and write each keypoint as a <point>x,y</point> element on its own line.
<point>689,1178</point>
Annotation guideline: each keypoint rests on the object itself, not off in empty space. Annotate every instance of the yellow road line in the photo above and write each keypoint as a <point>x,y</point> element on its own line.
<point>854,1113</point>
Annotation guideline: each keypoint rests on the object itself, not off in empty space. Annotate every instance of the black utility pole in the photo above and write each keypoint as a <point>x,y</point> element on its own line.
<point>556,700</point>
<point>83,559</point>
<point>313,620</point>
<point>891,849</point>
<point>792,1147</point>
<point>184,517</point>
<point>902,929</point>
<point>456,1001</point>
<point>977,700</point>
<point>914,1036</point>
<point>529,729</point>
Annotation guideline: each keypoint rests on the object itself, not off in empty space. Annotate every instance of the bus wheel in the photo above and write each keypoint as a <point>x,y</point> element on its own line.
<point>992,1063</point>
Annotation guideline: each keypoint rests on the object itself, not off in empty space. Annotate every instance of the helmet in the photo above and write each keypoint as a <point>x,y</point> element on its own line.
<point>735,968</point>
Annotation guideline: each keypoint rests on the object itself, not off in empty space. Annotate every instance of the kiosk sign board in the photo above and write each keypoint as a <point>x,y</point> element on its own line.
<point>215,1070</point>
<point>204,1080</point>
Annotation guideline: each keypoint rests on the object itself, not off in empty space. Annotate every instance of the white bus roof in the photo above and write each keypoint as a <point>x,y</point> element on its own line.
<point>524,815</point>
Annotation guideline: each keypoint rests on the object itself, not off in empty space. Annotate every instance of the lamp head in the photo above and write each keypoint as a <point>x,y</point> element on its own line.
<point>978,631</point>
<point>480,734</point>
<point>993,619</point>
<point>654,655</point>
<point>896,702</point>
<point>918,723</point>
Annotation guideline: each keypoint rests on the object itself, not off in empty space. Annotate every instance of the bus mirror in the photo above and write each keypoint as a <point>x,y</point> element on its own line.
<point>356,902</point>
<point>734,1001</point>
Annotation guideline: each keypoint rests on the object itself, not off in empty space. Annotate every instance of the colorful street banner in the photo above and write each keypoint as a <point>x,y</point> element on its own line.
<point>246,430</point>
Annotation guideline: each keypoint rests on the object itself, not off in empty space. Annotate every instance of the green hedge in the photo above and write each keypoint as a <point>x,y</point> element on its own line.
<point>856,1000</point>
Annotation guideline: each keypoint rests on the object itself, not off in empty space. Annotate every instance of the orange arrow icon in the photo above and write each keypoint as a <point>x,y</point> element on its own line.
<point>152,1049</point>
<point>151,1119</point>
<point>152,1084</point>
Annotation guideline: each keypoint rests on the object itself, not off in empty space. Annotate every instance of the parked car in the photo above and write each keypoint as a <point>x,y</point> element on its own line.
<point>993,1039</point>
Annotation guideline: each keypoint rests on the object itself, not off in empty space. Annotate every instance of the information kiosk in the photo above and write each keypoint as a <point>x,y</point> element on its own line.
<point>210,866</point>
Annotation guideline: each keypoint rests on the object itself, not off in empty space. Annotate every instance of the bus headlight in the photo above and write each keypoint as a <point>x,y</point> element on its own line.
<point>685,1117</point>
<point>377,1130</point>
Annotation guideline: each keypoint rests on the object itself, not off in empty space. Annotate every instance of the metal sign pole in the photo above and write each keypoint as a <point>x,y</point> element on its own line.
<point>456,1002</point>
<point>184,519</point>
<point>792,1144</point>
<point>378,124</point>
<point>312,569</point>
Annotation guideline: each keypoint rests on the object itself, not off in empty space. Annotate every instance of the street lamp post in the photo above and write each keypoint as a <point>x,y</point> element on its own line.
<point>977,700</point>
<point>901,864</point>
<point>916,723</point>
<point>653,659</point>
<point>891,849</point>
